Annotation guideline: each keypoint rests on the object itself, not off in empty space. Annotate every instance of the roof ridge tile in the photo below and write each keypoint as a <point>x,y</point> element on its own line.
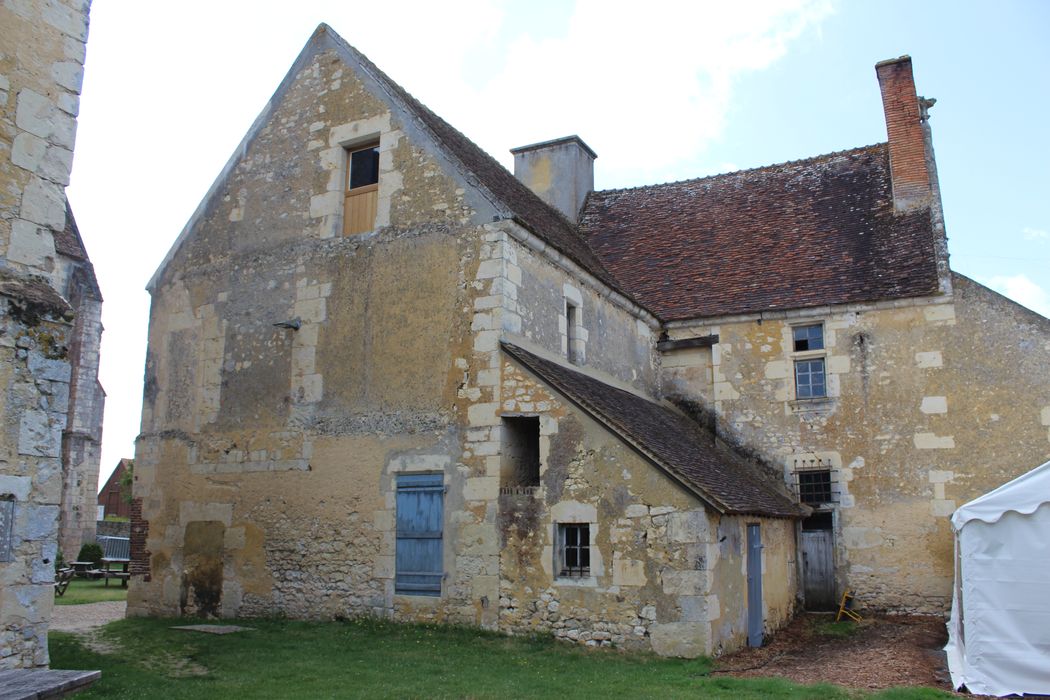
<point>745,171</point>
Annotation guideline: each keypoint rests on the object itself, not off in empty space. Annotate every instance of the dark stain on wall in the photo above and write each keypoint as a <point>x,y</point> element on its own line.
<point>181,376</point>
<point>201,591</point>
<point>564,445</point>
<point>149,380</point>
<point>614,503</point>
<point>519,520</point>
<point>256,376</point>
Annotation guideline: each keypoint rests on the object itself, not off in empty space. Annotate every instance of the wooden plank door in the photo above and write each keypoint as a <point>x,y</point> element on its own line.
<point>420,520</point>
<point>754,586</point>
<point>818,570</point>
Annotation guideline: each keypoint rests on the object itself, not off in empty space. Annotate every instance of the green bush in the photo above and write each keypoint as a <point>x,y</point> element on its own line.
<point>59,562</point>
<point>92,552</point>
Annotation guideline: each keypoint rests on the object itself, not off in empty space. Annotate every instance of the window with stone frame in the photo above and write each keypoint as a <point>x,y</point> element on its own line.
<point>809,359</point>
<point>574,550</point>
<point>572,320</point>
<point>815,482</point>
<point>361,194</point>
<point>520,454</point>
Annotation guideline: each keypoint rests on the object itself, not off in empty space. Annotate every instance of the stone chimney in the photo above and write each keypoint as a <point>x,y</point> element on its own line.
<point>561,172</point>
<point>910,159</point>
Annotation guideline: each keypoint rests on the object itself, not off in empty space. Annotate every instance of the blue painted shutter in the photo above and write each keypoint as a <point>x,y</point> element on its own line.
<point>420,500</point>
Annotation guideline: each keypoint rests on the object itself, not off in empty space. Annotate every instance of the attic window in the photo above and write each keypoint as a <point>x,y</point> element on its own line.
<point>808,337</point>
<point>808,346</point>
<point>362,190</point>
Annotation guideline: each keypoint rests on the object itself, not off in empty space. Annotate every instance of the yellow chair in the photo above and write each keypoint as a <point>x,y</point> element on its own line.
<point>845,608</point>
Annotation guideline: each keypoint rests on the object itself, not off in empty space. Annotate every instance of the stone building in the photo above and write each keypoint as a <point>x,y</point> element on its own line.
<point>82,436</point>
<point>50,412</point>
<point>387,377</point>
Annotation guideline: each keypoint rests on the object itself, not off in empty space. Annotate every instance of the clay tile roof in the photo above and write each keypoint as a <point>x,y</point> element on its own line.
<point>680,446</point>
<point>807,233</point>
<point>68,241</point>
<point>33,295</point>
<point>520,202</point>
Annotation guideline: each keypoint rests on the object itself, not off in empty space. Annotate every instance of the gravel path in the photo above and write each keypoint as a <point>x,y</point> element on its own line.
<point>82,618</point>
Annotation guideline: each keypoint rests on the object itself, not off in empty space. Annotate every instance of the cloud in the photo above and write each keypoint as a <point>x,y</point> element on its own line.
<point>647,86</point>
<point>1022,290</point>
<point>1035,234</point>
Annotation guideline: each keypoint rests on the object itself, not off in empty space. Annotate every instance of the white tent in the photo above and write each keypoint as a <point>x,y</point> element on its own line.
<point>999,630</point>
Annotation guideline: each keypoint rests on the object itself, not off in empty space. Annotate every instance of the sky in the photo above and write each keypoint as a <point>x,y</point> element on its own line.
<point>662,91</point>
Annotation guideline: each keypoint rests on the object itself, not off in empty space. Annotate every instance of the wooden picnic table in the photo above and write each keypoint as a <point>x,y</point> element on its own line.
<point>108,572</point>
<point>82,568</point>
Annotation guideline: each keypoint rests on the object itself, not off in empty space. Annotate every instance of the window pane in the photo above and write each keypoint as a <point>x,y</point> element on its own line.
<point>815,487</point>
<point>809,379</point>
<point>808,337</point>
<point>585,557</point>
<point>364,167</point>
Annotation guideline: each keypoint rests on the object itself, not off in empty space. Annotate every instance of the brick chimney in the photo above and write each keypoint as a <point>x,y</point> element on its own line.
<point>905,116</point>
<point>561,172</point>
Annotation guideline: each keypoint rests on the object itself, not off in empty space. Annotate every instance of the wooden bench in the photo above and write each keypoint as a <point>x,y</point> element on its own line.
<point>31,684</point>
<point>62,579</point>
<point>122,573</point>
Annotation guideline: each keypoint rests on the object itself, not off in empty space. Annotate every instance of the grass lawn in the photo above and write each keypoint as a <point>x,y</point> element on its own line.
<point>144,658</point>
<point>84,590</point>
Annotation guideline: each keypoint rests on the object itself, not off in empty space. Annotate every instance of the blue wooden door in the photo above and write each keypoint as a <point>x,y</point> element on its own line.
<point>754,586</point>
<point>420,518</point>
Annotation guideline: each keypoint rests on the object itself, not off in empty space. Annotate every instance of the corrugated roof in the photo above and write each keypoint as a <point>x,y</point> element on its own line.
<point>681,447</point>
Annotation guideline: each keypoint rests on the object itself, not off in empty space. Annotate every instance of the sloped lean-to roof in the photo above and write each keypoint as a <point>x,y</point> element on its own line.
<point>69,243</point>
<point>725,481</point>
<point>808,233</point>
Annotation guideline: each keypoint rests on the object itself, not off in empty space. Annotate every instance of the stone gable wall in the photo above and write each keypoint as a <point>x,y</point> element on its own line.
<point>268,461</point>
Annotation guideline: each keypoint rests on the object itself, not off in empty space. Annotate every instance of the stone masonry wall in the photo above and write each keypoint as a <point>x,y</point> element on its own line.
<point>42,49</point>
<point>929,406</point>
<point>34,372</point>
<point>113,528</point>
<point>82,437</point>
<point>39,100</point>
<point>615,338</point>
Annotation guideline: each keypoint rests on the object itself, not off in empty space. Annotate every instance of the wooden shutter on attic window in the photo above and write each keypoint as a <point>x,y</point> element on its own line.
<point>361,196</point>
<point>418,560</point>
